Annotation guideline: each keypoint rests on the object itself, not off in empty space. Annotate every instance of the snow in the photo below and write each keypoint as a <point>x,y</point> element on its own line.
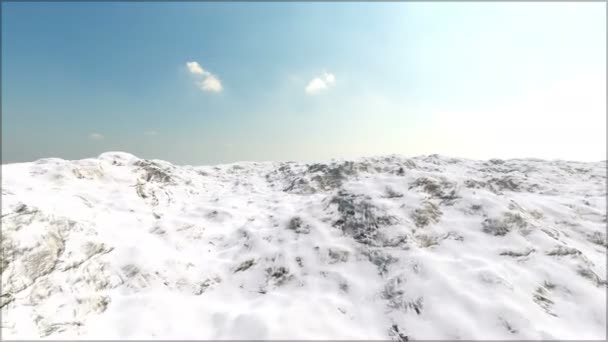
<point>431,247</point>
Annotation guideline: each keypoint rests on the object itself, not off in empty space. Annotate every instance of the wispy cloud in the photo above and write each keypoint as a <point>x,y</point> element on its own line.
<point>150,132</point>
<point>210,82</point>
<point>196,68</point>
<point>96,136</point>
<point>321,83</point>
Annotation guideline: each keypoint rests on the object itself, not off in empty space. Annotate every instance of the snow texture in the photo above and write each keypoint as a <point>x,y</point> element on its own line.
<point>431,247</point>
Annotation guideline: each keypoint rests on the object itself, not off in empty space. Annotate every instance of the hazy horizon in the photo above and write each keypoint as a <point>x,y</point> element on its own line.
<point>208,83</point>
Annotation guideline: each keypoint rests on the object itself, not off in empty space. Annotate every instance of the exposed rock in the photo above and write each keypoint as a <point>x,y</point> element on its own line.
<point>598,238</point>
<point>518,254</point>
<point>358,219</point>
<point>390,193</point>
<point>437,188</point>
<point>563,250</point>
<point>297,225</point>
<point>397,298</point>
<point>429,213</point>
<point>245,265</point>
<point>500,227</point>
<point>336,256</point>
<point>397,335</point>
<point>279,275</point>
<point>381,259</point>
<point>541,298</point>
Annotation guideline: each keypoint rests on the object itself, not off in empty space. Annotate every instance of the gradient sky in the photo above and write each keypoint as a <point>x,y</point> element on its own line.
<point>303,81</point>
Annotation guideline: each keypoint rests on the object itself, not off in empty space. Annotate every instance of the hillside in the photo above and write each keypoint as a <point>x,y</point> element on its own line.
<point>397,248</point>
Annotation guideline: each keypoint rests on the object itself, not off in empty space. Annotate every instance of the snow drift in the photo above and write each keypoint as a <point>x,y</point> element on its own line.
<point>118,247</point>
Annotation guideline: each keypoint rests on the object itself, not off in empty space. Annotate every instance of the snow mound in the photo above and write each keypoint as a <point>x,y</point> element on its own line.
<point>431,247</point>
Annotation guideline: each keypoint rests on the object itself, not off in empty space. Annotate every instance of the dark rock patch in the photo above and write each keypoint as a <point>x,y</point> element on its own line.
<point>515,254</point>
<point>495,227</point>
<point>390,193</point>
<point>426,241</point>
<point>563,251</point>
<point>500,227</point>
<point>438,189</point>
<point>398,241</point>
<point>336,256</point>
<point>476,207</point>
<point>429,213</point>
<point>397,335</point>
<point>130,270</point>
<point>598,238</point>
<point>245,265</point>
<point>475,184</point>
<point>279,275</point>
<point>343,286</point>
<point>381,259</point>
<point>504,183</point>
<point>331,177</point>
<point>552,233</point>
<point>297,225</point>
<point>496,161</point>
<point>158,230</point>
<point>592,276</point>
<point>508,326</point>
<point>541,298</point>
<point>360,219</point>
<point>396,297</point>
<point>152,172</point>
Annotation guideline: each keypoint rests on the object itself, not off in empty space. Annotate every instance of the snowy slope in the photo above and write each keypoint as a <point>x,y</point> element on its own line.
<point>378,248</point>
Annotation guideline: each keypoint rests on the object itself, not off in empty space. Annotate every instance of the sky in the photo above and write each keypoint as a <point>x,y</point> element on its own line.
<point>204,83</point>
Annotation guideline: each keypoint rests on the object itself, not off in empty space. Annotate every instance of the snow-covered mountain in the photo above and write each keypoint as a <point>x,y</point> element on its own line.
<point>378,248</point>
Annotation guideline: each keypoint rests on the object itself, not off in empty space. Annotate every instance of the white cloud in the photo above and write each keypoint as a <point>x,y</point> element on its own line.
<point>96,136</point>
<point>330,79</point>
<point>150,132</point>
<point>320,83</point>
<point>315,86</point>
<point>209,81</point>
<point>196,69</point>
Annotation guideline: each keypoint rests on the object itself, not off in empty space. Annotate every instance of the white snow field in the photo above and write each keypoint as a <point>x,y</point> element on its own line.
<point>431,247</point>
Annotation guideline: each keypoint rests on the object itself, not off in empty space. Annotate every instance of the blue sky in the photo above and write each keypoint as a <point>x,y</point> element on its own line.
<point>303,81</point>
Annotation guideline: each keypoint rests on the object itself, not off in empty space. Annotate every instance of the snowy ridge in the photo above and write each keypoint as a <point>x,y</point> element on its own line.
<point>378,248</point>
